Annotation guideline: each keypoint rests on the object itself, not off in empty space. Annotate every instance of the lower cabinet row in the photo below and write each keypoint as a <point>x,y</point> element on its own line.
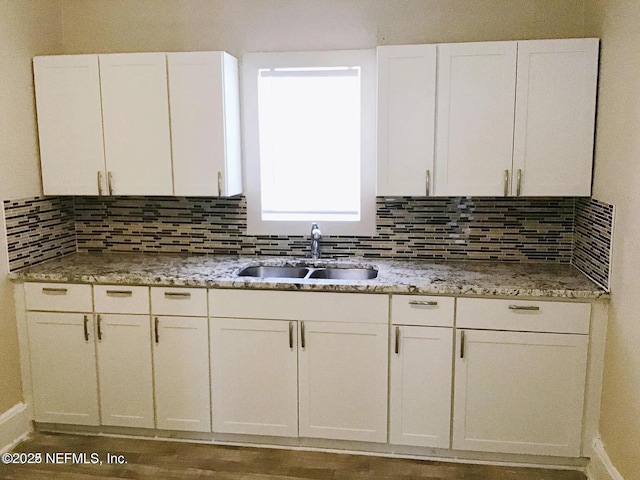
<point>506,391</point>
<point>266,377</point>
<point>75,356</point>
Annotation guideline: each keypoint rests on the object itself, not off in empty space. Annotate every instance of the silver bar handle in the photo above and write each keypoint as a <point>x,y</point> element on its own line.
<point>528,308</point>
<point>219,184</point>
<point>291,335</point>
<point>177,295</point>
<point>99,183</point>
<point>156,328</point>
<point>119,293</point>
<point>86,328</point>
<point>54,291</point>
<point>397,346</point>
<point>303,341</point>
<point>462,344</point>
<point>424,303</point>
<point>519,183</point>
<point>506,183</point>
<point>428,182</point>
<point>99,320</point>
<point>110,183</point>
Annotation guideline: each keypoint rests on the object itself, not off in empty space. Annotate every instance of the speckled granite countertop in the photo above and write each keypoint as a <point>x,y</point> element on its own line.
<point>394,276</point>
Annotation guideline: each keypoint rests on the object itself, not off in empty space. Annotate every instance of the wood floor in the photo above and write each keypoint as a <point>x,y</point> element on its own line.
<point>159,460</point>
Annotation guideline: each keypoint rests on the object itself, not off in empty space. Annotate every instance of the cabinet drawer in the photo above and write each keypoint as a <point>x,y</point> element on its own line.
<point>422,310</point>
<point>320,306</point>
<point>189,302</point>
<point>121,299</point>
<point>523,315</point>
<point>59,297</point>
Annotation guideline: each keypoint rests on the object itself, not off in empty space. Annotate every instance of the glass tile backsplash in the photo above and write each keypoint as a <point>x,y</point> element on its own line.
<point>451,228</point>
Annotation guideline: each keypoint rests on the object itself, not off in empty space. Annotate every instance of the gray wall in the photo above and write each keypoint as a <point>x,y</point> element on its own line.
<point>239,26</point>
<point>617,181</point>
<point>27,28</point>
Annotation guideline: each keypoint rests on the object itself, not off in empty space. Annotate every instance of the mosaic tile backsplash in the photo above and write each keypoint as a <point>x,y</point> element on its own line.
<point>39,229</point>
<point>499,229</point>
<point>417,228</point>
<point>592,239</point>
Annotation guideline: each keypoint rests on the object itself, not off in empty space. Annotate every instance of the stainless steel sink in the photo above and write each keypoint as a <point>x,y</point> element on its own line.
<point>274,272</point>
<point>344,273</point>
<point>311,273</point>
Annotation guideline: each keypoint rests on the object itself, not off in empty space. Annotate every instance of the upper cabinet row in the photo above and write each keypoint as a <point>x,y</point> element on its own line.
<point>487,119</point>
<point>139,124</point>
<point>466,119</point>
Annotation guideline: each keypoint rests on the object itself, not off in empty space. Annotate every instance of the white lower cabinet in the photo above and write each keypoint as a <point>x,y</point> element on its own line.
<point>123,347</point>
<point>254,366</point>
<point>519,392</point>
<point>63,368</point>
<point>511,379</point>
<point>181,358</point>
<point>316,369</point>
<point>420,386</point>
<point>124,370</point>
<point>421,368</point>
<point>181,373</point>
<point>329,383</point>
<point>343,381</point>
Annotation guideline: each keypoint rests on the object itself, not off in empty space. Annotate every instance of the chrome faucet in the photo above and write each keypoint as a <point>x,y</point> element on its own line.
<point>316,235</point>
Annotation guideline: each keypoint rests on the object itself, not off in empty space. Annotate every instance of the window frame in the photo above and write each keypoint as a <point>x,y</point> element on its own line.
<point>251,64</point>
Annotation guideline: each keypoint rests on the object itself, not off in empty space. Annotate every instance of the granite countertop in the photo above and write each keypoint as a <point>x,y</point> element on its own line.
<point>394,276</point>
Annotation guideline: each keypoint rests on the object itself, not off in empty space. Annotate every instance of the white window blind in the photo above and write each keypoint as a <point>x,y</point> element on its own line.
<point>310,143</point>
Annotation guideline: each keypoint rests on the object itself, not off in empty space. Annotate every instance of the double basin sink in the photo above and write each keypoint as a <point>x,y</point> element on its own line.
<point>309,272</point>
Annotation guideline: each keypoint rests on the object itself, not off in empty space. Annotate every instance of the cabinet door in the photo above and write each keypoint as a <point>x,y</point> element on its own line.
<point>63,368</point>
<point>555,117</point>
<point>421,368</point>
<point>181,373</point>
<point>69,124</point>
<point>343,374</point>
<point>124,370</point>
<point>205,123</point>
<point>254,376</point>
<point>136,123</point>
<point>406,119</point>
<point>519,392</point>
<point>476,101</point>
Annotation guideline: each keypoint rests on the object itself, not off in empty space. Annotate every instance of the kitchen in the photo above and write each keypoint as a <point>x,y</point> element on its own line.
<point>44,28</point>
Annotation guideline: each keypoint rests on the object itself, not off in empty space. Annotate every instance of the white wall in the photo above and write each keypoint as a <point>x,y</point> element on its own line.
<point>27,28</point>
<point>239,26</point>
<point>617,181</point>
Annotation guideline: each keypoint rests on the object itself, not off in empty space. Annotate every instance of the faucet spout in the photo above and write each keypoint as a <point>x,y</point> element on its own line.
<point>316,235</point>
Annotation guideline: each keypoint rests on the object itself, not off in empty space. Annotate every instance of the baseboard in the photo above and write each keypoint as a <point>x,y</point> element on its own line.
<point>600,466</point>
<point>324,445</point>
<point>14,426</point>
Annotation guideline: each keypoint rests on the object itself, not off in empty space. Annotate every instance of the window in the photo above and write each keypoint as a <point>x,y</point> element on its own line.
<point>310,142</point>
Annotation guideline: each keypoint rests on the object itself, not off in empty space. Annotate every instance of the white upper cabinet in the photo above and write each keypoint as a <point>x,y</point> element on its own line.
<point>406,118</point>
<point>106,126</point>
<point>555,115</point>
<point>136,123</point>
<point>205,123</point>
<point>516,118</point>
<point>69,123</point>
<point>476,101</point>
